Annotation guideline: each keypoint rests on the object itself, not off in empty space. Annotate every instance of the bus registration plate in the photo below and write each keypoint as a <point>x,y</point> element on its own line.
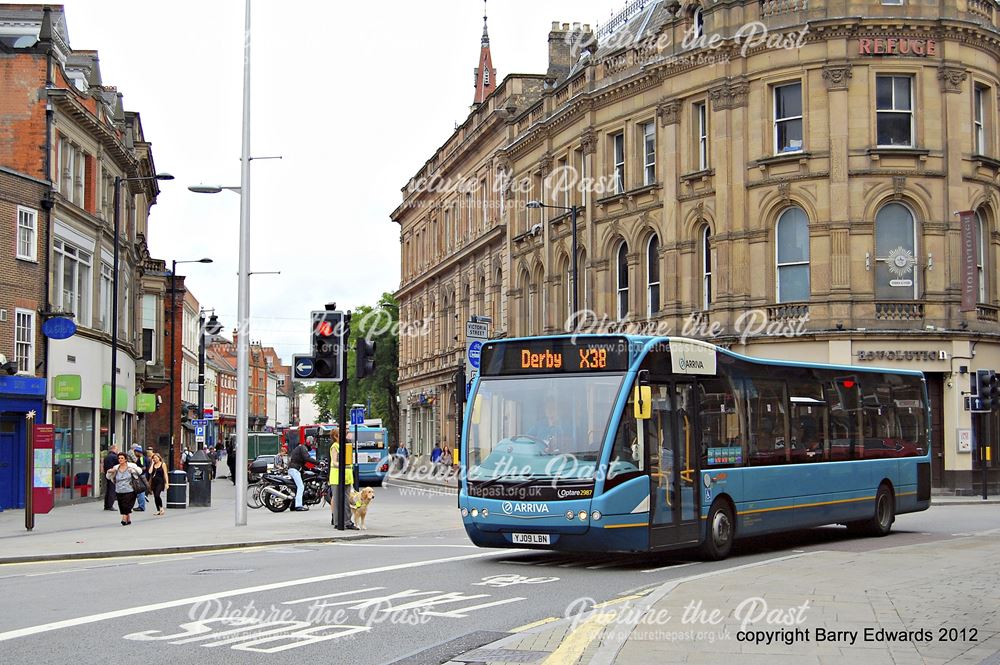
<point>530,538</point>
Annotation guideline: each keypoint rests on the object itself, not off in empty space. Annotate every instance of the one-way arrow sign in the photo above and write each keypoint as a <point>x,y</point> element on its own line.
<point>303,366</point>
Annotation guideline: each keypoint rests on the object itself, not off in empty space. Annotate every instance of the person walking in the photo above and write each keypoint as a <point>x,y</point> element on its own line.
<point>158,480</point>
<point>110,461</point>
<point>435,458</point>
<point>231,460</point>
<point>185,458</point>
<point>142,462</point>
<point>335,485</point>
<point>122,475</point>
<point>402,453</point>
<point>300,457</point>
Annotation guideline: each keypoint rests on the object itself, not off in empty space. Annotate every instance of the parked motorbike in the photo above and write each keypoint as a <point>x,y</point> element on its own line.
<point>278,489</point>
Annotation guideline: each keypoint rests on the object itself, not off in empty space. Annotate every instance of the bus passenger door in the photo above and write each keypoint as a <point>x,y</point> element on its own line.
<point>671,445</point>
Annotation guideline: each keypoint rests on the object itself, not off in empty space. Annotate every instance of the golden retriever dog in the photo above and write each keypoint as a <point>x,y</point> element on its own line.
<point>359,502</point>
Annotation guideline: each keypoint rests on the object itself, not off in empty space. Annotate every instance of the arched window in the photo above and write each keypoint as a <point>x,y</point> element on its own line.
<point>583,280</point>
<point>497,295</point>
<point>653,276</point>
<point>706,268</point>
<point>622,285</point>
<point>895,253</point>
<point>525,305</point>
<point>792,249</point>
<point>481,297</point>
<point>982,239</point>
<point>699,22</point>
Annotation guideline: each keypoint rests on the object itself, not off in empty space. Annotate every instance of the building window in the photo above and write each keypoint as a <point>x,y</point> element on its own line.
<point>788,118</point>
<point>653,276</point>
<point>699,22</point>
<point>71,277</point>
<point>792,235</point>
<point>27,234</point>
<point>706,262</point>
<point>649,153</point>
<point>982,238</point>
<point>125,312</point>
<point>895,253</point>
<point>24,340</point>
<point>562,181</point>
<point>894,111</point>
<point>979,119</point>
<point>622,285</point>
<point>104,296</point>
<point>701,123</point>
<point>618,148</point>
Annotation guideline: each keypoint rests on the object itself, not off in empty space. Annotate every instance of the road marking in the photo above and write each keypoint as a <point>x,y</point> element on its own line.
<point>534,624</point>
<point>673,565</point>
<point>634,596</point>
<point>117,614</point>
<point>577,642</point>
<point>332,595</point>
<point>460,612</point>
<point>471,547</point>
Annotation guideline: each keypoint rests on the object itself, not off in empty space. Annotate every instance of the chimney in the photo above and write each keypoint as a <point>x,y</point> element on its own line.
<point>566,43</point>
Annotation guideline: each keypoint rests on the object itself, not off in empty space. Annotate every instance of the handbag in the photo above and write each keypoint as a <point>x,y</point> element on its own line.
<point>139,484</point>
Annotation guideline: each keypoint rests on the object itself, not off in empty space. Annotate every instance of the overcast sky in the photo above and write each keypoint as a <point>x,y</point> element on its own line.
<point>355,96</point>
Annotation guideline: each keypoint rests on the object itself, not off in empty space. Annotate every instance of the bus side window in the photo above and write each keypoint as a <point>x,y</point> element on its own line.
<point>721,422</point>
<point>768,422</point>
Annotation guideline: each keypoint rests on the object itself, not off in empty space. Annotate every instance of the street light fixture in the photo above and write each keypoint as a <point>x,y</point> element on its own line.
<point>173,345</point>
<point>114,288</point>
<point>573,211</point>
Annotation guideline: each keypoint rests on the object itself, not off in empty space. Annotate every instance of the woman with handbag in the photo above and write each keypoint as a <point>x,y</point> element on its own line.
<point>158,480</point>
<point>128,479</point>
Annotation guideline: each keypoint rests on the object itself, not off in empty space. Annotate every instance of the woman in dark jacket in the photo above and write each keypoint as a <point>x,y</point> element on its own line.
<point>158,480</point>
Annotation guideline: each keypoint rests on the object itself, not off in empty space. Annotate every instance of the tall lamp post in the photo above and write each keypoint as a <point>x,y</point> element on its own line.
<point>114,288</point>
<point>573,211</point>
<point>173,345</point>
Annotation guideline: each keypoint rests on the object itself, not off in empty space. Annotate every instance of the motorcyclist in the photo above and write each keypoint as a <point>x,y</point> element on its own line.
<point>298,461</point>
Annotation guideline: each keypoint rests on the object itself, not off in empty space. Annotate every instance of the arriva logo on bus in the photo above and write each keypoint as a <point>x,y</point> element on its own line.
<point>509,508</point>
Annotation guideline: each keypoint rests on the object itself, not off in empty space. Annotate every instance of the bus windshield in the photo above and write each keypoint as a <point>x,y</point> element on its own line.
<point>542,427</point>
<point>371,438</point>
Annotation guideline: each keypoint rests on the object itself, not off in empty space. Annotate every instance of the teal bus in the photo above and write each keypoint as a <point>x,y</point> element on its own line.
<point>636,444</point>
<point>371,453</point>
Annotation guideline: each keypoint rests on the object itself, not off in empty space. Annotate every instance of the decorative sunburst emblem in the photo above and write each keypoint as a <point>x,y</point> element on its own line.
<point>900,261</point>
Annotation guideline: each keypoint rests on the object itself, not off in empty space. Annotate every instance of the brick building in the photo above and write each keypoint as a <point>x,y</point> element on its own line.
<point>64,130</point>
<point>810,183</point>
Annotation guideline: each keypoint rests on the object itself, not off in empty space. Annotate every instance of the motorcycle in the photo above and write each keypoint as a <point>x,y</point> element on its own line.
<point>277,490</point>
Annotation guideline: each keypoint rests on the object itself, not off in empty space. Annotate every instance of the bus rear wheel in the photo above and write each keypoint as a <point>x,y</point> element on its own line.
<point>885,514</point>
<point>721,531</point>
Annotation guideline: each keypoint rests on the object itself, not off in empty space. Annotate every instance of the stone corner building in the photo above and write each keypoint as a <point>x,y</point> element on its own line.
<point>728,186</point>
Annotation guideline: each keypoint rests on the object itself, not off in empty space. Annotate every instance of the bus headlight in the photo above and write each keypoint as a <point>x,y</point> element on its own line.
<point>475,512</point>
<point>583,515</point>
<point>465,512</point>
<point>596,515</point>
<point>486,512</point>
<point>569,515</point>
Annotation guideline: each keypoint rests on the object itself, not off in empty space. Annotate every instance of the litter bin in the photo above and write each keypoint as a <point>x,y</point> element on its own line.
<point>199,477</point>
<point>177,493</point>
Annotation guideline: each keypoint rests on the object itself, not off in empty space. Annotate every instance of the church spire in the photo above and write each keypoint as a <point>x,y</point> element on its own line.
<point>485,74</point>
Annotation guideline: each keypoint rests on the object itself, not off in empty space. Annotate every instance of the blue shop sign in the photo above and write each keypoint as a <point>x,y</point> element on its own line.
<point>59,327</point>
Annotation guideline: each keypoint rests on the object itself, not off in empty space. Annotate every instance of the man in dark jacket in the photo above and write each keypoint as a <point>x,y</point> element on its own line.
<point>296,463</point>
<point>110,462</point>
<point>231,460</point>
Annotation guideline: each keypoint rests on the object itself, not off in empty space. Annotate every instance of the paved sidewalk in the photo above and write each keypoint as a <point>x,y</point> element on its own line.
<point>817,608</point>
<point>85,529</point>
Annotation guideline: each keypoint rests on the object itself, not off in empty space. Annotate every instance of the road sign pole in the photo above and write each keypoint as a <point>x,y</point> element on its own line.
<point>342,424</point>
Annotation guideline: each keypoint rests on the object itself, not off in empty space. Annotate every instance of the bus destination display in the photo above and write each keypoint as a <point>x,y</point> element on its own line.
<point>555,356</point>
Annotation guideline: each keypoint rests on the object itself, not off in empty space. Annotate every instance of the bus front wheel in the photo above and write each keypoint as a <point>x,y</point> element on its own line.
<point>721,531</point>
<point>880,523</point>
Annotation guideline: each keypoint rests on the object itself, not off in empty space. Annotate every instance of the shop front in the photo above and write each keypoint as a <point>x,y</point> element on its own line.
<point>949,364</point>
<point>79,406</point>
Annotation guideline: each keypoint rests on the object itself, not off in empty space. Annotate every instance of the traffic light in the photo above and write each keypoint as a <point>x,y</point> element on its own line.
<point>327,344</point>
<point>988,389</point>
<point>364,357</point>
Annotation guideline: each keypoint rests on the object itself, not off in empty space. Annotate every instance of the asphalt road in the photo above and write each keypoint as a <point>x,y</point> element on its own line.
<point>376,601</point>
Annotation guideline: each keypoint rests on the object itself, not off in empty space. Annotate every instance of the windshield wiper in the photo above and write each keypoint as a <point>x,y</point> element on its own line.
<point>497,479</point>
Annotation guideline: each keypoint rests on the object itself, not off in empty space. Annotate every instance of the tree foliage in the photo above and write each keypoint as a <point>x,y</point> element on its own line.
<point>379,392</point>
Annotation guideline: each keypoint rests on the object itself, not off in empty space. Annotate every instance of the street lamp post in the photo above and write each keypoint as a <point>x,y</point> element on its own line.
<point>173,346</point>
<point>573,210</point>
<point>114,288</point>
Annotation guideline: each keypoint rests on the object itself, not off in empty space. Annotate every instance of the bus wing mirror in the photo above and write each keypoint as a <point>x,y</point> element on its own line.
<point>642,400</point>
<point>476,413</point>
